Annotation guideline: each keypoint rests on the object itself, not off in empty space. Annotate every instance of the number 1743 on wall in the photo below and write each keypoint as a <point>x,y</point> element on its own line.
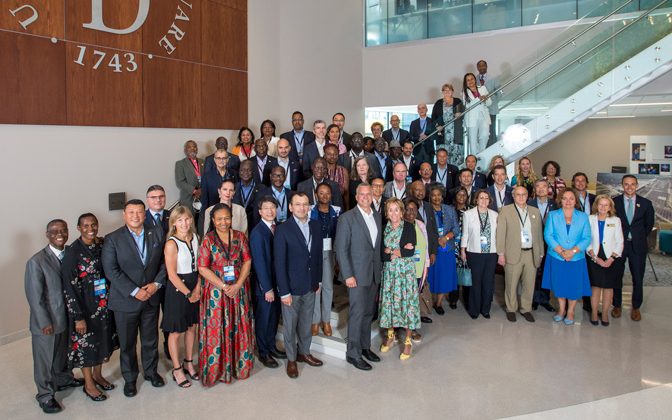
<point>115,61</point>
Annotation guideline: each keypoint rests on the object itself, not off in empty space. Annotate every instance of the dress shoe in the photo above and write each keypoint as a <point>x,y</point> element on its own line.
<point>511,316</point>
<point>130,390</point>
<point>308,359</point>
<point>268,361</point>
<point>535,306</point>
<point>452,305</point>
<point>604,323</point>
<point>616,312</point>
<point>425,320</point>
<point>51,406</point>
<point>97,398</point>
<point>370,356</point>
<point>636,315</point>
<point>326,329</point>
<point>439,310</point>
<point>596,322</point>
<point>548,307</point>
<point>528,316</point>
<point>292,370</point>
<point>315,329</point>
<point>486,316</point>
<point>156,381</point>
<point>358,363</point>
<point>278,354</point>
<point>473,316</point>
<point>72,384</point>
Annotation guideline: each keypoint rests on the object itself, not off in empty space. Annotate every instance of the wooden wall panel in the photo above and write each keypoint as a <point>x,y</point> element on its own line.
<point>103,97</point>
<point>234,4</point>
<point>50,21</point>
<point>224,36</point>
<point>160,20</point>
<point>224,98</point>
<point>172,90</point>
<point>118,14</point>
<point>32,86</point>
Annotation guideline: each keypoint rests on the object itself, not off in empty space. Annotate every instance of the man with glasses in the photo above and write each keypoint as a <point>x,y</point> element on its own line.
<point>309,186</point>
<point>377,201</point>
<point>298,138</point>
<point>248,191</point>
<point>394,132</point>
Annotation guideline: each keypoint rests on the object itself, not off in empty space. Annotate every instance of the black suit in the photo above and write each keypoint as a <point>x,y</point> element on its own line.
<point>542,296</point>
<point>127,273</point>
<point>347,140</point>
<point>310,153</point>
<point>507,197</point>
<point>210,183</point>
<point>636,246</point>
<point>250,202</point>
<point>162,229</point>
<point>449,179</point>
<point>479,181</point>
<point>266,177</point>
<point>308,137</point>
<point>413,167</point>
<point>402,136</point>
<point>377,169</point>
<point>426,151</point>
<point>308,186</point>
<point>295,172</point>
<point>232,165</point>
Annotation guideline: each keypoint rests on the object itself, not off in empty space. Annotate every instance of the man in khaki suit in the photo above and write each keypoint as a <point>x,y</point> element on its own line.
<point>520,246</point>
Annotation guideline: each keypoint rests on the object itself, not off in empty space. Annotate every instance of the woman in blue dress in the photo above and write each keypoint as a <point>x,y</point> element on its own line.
<point>442,275</point>
<point>567,234</point>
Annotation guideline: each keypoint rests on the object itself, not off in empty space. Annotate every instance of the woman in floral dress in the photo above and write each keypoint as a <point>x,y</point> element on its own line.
<point>226,346</point>
<point>92,333</point>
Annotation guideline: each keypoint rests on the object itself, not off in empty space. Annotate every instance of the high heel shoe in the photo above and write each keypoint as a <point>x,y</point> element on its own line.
<point>404,356</point>
<point>385,347</point>
<point>604,323</point>
<point>183,384</point>
<point>195,376</point>
<point>596,322</point>
<point>97,398</point>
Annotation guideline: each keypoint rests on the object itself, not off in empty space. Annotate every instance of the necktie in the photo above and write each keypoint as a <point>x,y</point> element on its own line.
<point>482,81</point>
<point>630,210</point>
<point>273,228</point>
<point>61,255</point>
<point>157,217</point>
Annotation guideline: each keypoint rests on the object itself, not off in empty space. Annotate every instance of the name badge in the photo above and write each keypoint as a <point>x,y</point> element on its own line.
<point>440,231</point>
<point>229,274</point>
<point>409,179</point>
<point>484,243</point>
<point>416,255</point>
<point>99,287</point>
<point>326,244</point>
<point>524,237</point>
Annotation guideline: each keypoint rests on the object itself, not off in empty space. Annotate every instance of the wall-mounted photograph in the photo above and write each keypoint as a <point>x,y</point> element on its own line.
<point>638,152</point>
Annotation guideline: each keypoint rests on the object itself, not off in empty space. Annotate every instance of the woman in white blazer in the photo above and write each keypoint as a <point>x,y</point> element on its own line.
<point>479,226</point>
<point>477,116</point>
<point>604,252</point>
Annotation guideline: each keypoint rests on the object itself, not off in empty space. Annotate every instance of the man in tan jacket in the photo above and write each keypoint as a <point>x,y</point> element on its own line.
<point>520,246</point>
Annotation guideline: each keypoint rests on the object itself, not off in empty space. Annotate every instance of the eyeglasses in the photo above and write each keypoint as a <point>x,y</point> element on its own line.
<point>221,158</point>
<point>156,197</point>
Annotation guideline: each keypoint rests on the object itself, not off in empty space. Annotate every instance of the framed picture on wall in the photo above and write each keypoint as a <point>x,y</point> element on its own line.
<point>638,152</point>
<point>649,168</point>
<point>664,167</point>
<point>668,152</point>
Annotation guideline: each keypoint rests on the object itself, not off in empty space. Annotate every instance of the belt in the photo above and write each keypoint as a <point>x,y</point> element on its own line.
<point>526,249</point>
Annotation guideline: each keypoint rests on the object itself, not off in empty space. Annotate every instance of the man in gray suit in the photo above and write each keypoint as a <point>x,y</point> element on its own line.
<point>188,174</point>
<point>48,319</point>
<point>358,241</point>
<point>492,85</point>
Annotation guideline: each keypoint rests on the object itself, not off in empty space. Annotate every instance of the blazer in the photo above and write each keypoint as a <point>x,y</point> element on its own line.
<point>378,171</point>
<point>308,137</point>
<point>407,236</point>
<point>298,269</point>
<point>389,192</point>
<point>508,196</point>
<point>345,160</point>
<point>437,117</point>
<point>125,271</point>
<point>295,173</point>
<point>44,292</point>
<point>307,187</point>
<point>479,180</point>
<point>549,208</point>
<point>357,256</point>
<point>261,249</point>
<point>310,153</point>
<point>471,231</point>
<point>612,243</point>
<point>186,179</point>
<point>509,234</point>
<point>413,167</point>
<point>476,112</point>
<point>232,165</point>
<point>238,219</point>
<point>210,184</point>
<point>555,233</point>
<point>415,130</point>
<point>266,177</point>
<point>450,180</point>
<point>161,230</point>
<point>251,209</point>
<point>403,135</point>
<point>642,222</point>
<point>450,224</point>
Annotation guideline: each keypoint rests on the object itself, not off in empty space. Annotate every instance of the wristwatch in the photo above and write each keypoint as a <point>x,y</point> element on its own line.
<point>188,295</point>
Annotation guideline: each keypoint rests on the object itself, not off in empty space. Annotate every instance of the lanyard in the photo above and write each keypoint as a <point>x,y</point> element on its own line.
<point>582,203</point>
<point>299,143</point>
<point>480,220</point>
<point>142,250</point>
<point>394,191</point>
<point>247,155</point>
<point>396,136</point>
<point>277,197</point>
<point>442,179</point>
<point>499,194</point>
<point>522,221</point>
<point>246,198</point>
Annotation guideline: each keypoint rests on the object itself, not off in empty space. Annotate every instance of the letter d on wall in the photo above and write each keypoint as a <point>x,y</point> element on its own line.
<point>98,24</point>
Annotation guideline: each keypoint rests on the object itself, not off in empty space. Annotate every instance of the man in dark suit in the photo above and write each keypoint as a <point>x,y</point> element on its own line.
<point>479,179</point>
<point>309,186</point>
<point>541,200</point>
<point>464,177</point>
<point>280,193</point>
<point>298,138</point>
<point>133,262</point>
<point>394,132</point>
<point>356,150</point>
<point>298,267</point>
<point>500,193</point>
<point>382,164</point>
<point>262,163</point>
<point>213,179</point>
<point>358,252</point>
<point>339,120</point>
<point>637,219</point>
<point>419,130</point>
<point>248,192</point>
<point>292,167</point>
<point>443,172</point>
<point>315,149</point>
<point>410,161</point>
<point>233,163</point>
<point>49,319</point>
<point>378,200</point>
<point>267,303</point>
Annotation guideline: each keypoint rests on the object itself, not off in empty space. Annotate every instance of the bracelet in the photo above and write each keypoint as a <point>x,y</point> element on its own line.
<point>188,295</point>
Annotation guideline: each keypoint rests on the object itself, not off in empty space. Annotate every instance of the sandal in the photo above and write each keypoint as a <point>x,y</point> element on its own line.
<point>404,356</point>
<point>195,376</point>
<point>385,347</point>
<point>183,384</point>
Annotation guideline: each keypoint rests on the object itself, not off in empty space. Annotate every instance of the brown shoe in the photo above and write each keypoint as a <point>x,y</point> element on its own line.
<point>315,329</point>
<point>635,315</point>
<point>326,328</point>
<point>292,370</point>
<point>309,360</point>
<point>616,312</point>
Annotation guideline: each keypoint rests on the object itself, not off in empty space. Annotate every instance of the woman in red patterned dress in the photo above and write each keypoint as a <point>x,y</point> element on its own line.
<point>226,347</point>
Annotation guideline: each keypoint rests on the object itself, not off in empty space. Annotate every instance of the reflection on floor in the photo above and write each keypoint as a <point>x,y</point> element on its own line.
<point>463,369</point>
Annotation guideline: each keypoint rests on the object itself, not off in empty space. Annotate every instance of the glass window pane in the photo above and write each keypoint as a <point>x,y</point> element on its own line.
<point>407,20</point>
<point>536,12</point>
<point>376,22</point>
<point>449,17</point>
<point>497,14</point>
<point>591,8</point>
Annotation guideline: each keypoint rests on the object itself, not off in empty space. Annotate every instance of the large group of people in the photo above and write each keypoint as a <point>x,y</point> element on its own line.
<point>263,233</point>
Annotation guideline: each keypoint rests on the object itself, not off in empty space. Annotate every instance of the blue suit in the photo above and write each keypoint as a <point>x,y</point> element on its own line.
<point>507,198</point>
<point>298,269</point>
<point>266,314</point>
<point>555,233</point>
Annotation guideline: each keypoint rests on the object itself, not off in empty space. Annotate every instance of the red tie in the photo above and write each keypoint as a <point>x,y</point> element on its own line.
<point>273,228</point>
<point>482,80</point>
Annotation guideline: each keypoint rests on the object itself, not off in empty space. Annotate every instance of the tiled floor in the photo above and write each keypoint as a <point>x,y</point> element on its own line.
<point>463,369</point>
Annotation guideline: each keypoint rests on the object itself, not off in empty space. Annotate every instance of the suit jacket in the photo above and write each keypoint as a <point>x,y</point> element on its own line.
<point>345,160</point>
<point>555,233</point>
<point>449,222</point>
<point>642,222</point>
<point>232,165</point>
<point>266,177</point>
<point>403,135</point>
<point>307,187</point>
<point>378,171</point>
<point>298,269</point>
<point>508,196</point>
<point>162,229</point>
<point>413,167</point>
<point>210,184</point>
<point>186,179</point>
<point>357,256</point>
<point>252,205</point>
<point>549,208</point>
<point>432,228</point>
<point>612,243</point>
<point>261,249</point>
<point>480,181</point>
<point>471,231</point>
<point>347,140</point>
<point>509,234</point>
<point>44,292</point>
<point>125,271</point>
<point>415,130</point>
<point>308,137</point>
<point>268,192</point>
<point>310,153</point>
<point>295,172</point>
<point>450,180</point>
<point>588,206</point>
<point>389,191</point>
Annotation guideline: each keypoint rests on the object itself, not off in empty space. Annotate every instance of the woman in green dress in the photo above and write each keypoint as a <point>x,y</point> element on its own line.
<point>399,300</point>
